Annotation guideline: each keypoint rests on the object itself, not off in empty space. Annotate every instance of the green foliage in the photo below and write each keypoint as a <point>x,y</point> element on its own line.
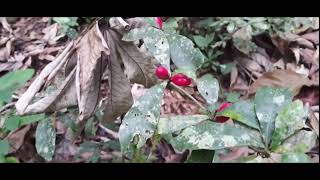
<point>68,25</point>
<point>46,139</point>
<point>12,81</point>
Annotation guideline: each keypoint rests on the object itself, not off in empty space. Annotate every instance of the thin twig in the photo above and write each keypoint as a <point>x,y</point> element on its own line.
<point>7,106</point>
<point>187,94</point>
<point>115,135</point>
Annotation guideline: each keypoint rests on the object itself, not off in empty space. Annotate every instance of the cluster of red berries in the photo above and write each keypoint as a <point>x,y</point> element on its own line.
<point>178,79</point>
<point>183,80</point>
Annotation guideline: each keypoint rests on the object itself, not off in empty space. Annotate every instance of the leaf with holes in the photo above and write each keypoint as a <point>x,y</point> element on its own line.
<point>288,121</point>
<point>154,40</point>
<point>213,136</point>
<point>142,119</point>
<point>183,53</point>
<point>176,123</point>
<point>242,111</point>
<point>208,87</point>
<point>12,81</point>
<point>46,139</point>
<point>268,103</point>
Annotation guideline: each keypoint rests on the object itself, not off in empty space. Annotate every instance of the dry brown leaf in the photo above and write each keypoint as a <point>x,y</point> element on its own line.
<point>16,139</point>
<point>314,121</point>
<point>262,60</point>
<point>89,70</point>
<point>281,79</point>
<point>249,64</point>
<point>120,99</point>
<point>307,55</point>
<point>313,37</point>
<point>5,51</point>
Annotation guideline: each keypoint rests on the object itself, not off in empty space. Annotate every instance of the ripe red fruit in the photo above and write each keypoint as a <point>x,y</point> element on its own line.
<point>162,73</point>
<point>181,80</point>
<point>222,119</point>
<point>159,22</point>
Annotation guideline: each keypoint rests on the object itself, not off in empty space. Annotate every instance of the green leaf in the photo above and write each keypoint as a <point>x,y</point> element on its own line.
<point>4,147</point>
<point>11,160</point>
<point>176,123</point>
<point>208,87</point>
<point>301,142</point>
<point>242,111</point>
<point>67,21</point>
<point>295,158</point>
<point>46,139</point>
<point>288,121</point>
<point>90,128</point>
<point>12,81</point>
<point>226,68</point>
<point>203,42</point>
<point>268,103</point>
<point>233,97</point>
<point>201,156</point>
<point>142,119</point>
<point>171,24</point>
<point>12,123</point>
<point>182,52</point>
<point>213,136</point>
<point>154,40</point>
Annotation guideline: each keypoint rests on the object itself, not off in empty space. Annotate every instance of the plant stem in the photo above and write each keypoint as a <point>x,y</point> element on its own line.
<point>187,94</point>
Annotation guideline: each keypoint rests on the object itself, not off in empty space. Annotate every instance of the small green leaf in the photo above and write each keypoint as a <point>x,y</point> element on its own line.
<point>12,81</point>
<point>242,111</point>
<point>208,87</point>
<point>12,160</point>
<point>141,120</point>
<point>288,121</point>
<point>295,158</point>
<point>213,136</point>
<point>90,128</point>
<point>175,123</point>
<point>226,68</point>
<point>268,103</point>
<point>203,42</point>
<point>4,147</point>
<point>24,120</point>
<point>46,139</point>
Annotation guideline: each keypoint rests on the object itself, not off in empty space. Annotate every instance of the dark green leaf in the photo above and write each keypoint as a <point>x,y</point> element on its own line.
<point>201,156</point>
<point>46,139</point>
<point>242,111</point>
<point>12,81</point>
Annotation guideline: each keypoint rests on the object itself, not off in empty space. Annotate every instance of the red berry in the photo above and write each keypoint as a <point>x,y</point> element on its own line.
<point>162,73</point>
<point>222,119</point>
<point>159,22</point>
<point>181,80</point>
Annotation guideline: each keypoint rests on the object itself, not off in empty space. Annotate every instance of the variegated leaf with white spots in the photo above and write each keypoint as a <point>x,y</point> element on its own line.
<point>142,119</point>
<point>289,120</point>
<point>46,139</point>
<point>268,103</point>
<point>208,87</point>
<point>172,124</point>
<point>213,136</point>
